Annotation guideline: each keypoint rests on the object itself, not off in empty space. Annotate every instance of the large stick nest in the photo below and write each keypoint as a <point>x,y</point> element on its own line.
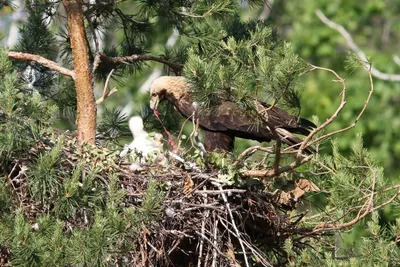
<point>203,221</point>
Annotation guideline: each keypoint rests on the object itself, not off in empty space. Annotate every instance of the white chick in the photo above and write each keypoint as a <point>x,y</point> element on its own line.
<point>143,148</point>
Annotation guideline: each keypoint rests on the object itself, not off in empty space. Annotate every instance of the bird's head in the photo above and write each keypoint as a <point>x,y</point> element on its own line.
<point>158,91</point>
<point>170,87</point>
<point>136,126</point>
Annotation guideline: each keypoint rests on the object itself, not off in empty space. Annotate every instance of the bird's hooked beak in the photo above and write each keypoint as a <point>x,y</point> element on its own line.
<point>154,101</point>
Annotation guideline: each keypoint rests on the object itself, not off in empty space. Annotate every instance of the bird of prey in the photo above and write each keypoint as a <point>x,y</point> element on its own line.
<point>225,121</point>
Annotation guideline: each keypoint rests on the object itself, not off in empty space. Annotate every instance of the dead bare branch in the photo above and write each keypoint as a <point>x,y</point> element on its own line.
<point>136,58</point>
<point>107,93</point>
<point>250,151</point>
<point>278,146</point>
<point>353,124</point>
<point>396,59</point>
<point>43,61</point>
<point>272,172</point>
<point>206,213</point>
<point>354,47</point>
<point>366,209</point>
<point>235,227</point>
<point>217,192</point>
<point>306,141</point>
<point>255,252</point>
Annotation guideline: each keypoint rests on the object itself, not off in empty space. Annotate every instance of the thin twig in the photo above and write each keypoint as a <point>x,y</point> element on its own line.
<point>396,59</point>
<point>106,93</point>
<point>215,237</point>
<point>354,47</point>
<point>250,151</point>
<point>216,192</point>
<point>211,243</point>
<point>368,210</point>
<point>234,226</point>
<point>9,175</point>
<point>353,124</point>
<point>11,181</point>
<point>177,232</point>
<point>277,151</point>
<point>256,253</point>
<point>332,118</point>
<point>203,228</point>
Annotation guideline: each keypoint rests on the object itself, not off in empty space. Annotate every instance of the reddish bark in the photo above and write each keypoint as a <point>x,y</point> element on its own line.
<point>86,104</point>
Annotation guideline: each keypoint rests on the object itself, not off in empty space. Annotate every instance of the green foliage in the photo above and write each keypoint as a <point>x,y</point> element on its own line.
<point>375,250</point>
<point>75,217</point>
<point>240,68</point>
<point>44,175</point>
<point>99,242</point>
<point>150,207</point>
<point>63,94</point>
<point>101,229</point>
<point>20,113</point>
<point>374,27</point>
<point>353,182</point>
<point>36,37</point>
<point>79,193</point>
<point>114,125</point>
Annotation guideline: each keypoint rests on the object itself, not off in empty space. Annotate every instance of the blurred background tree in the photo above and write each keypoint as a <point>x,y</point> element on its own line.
<point>375,28</point>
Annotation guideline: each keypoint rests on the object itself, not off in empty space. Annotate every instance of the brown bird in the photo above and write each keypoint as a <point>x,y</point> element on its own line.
<point>222,123</point>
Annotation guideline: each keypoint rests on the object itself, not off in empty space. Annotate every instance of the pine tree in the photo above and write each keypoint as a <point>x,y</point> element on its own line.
<point>67,201</point>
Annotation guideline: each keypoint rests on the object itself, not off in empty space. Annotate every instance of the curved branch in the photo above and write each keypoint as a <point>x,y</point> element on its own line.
<point>353,124</point>
<point>368,210</point>
<point>354,47</point>
<point>307,140</point>
<point>43,61</point>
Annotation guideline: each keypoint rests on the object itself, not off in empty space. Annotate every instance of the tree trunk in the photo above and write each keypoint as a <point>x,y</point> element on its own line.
<point>86,110</point>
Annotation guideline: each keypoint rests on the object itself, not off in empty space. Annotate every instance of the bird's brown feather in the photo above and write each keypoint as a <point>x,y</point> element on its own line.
<point>226,121</point>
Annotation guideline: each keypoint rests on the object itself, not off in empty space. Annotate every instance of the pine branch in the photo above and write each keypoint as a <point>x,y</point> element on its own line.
<point>366,209</point>
<point>135,58</point>
<point>43,61</point>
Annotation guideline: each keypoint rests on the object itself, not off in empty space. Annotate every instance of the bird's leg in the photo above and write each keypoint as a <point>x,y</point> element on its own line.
<point>263,162</point>
<point>194,136</point>
<point>191,137</point>
<point>197,139</point>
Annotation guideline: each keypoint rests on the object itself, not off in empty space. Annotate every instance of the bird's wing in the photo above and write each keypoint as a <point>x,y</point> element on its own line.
<point>280,118</point>
<point>228,120</point>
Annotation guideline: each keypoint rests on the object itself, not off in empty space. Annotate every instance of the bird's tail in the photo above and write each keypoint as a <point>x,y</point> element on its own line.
<point>292,140</point>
